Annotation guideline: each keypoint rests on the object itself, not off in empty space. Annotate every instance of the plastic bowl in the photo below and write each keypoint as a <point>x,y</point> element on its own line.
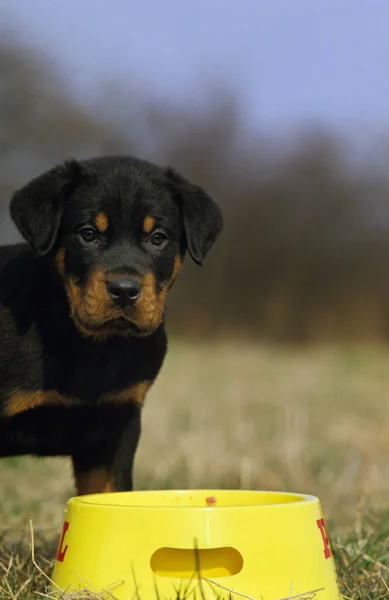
<point>262,545</point>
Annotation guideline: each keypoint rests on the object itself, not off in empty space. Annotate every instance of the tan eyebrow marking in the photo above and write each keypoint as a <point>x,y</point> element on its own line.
<point>101,221</point>
<point>148,224</point>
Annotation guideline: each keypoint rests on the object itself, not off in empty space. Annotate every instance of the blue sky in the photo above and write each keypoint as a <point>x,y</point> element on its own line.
<point>290,61</point>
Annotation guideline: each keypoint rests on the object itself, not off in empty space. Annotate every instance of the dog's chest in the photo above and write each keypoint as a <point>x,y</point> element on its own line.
<point>113,373</point>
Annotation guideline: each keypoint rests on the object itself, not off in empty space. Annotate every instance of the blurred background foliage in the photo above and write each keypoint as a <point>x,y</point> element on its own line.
<point>304,256</point>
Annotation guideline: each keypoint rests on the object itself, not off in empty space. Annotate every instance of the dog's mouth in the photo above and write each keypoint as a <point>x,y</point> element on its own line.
<point>99,316</point>
<point>123,323</point>
<point>115,326</point>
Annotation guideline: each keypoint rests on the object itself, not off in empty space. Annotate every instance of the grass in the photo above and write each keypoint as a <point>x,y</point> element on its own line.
<point>311,420</point>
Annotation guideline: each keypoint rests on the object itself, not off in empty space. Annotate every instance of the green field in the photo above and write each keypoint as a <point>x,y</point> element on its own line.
<point>312,420</point>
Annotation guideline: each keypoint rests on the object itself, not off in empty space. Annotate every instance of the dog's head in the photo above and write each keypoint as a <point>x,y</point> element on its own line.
<point>117,230</point>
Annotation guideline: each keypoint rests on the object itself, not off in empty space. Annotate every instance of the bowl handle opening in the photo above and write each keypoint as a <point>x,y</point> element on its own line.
<point>184,564</point>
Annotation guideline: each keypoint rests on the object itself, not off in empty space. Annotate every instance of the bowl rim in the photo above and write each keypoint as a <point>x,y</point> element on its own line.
<point>97,500</point>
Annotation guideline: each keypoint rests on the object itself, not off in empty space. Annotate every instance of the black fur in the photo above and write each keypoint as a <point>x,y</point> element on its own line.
<point>72,360</point>
<point>201,216</point>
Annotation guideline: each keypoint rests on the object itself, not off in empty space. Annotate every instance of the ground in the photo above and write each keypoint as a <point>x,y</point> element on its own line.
<point>239,414</point>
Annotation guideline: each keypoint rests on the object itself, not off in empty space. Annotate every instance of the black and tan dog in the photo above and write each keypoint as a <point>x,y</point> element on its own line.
<point>82,334</point>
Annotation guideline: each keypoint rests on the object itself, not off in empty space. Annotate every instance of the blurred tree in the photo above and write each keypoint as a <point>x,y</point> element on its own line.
<point>304,252</point>
<point>40,122</point>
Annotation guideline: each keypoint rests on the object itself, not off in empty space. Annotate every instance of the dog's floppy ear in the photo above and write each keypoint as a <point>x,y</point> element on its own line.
<point>202,217</point>
<point>37,207</point>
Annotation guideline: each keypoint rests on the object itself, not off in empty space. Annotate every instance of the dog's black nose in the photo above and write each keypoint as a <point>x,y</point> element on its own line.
<point>124,291</point>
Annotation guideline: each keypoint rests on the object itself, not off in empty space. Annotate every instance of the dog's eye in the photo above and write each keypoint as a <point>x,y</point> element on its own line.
<point>158,239</point>
<point>88,234</point>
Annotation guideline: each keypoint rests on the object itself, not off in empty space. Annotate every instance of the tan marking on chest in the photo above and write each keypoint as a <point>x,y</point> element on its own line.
<point>23,400</point>
<point>134,393</point>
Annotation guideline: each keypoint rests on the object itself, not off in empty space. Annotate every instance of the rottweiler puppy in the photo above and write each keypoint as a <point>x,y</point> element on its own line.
<point>82,335</point>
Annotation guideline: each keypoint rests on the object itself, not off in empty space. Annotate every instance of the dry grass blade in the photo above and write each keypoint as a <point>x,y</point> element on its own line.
<point>305,595</point>
<point>227,589</point>
<point>33,558</point>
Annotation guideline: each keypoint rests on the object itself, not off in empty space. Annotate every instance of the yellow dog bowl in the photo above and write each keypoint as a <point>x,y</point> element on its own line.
<point>205,543</point>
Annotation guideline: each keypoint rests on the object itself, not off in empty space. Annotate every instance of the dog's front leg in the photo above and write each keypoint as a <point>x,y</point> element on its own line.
<point>108,467</point>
